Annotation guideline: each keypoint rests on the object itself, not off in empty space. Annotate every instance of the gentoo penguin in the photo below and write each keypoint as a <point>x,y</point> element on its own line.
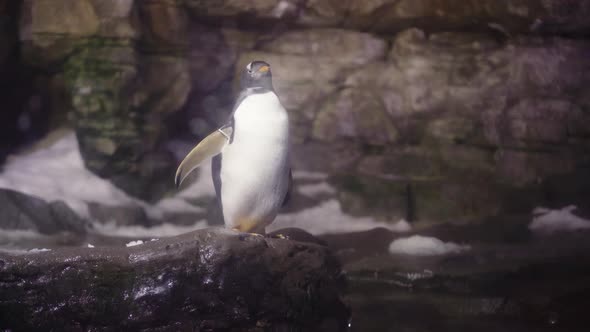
<point>250,164</point>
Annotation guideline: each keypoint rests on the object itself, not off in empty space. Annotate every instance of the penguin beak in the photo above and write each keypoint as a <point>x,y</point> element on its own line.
<point>264,69</point>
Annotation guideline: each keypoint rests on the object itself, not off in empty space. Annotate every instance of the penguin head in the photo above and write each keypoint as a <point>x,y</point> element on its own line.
<point>257,75</point>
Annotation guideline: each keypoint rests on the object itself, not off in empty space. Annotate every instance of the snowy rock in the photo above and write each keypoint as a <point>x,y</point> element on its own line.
<point>549,221</point>
<point>210,279</point>
<point>134,243</point>
<point>418,245</point>
<point>23,212</point>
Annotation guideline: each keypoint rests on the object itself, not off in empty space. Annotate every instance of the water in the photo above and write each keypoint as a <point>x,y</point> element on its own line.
<point>533,284</point>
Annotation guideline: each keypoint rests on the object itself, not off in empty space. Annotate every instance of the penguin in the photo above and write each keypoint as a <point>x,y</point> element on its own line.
<point>249,155</point>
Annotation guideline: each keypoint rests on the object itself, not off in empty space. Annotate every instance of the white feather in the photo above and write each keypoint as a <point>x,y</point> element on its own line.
<point>254,171</point>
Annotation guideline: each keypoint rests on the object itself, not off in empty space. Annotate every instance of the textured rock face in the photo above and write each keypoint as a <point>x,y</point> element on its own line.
<point>206,280</point>
<point>431,99</point>
<point>393,15</point>
<point>118,92</point>
<point>468,112</point>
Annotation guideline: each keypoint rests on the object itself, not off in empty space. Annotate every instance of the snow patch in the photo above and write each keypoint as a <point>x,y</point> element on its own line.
<point>38,250</point>
<point>328,218</point>
<point>547,221</point>
<point>163,230</point>
<point>418,245</point>
<point>57,172</point>
<point>282,8</point>
<point>134,243</point>
<point>90,245</point>
<point>316,189</point>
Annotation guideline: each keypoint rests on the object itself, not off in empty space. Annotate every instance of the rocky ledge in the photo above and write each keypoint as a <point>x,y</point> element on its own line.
<point>205,280</point>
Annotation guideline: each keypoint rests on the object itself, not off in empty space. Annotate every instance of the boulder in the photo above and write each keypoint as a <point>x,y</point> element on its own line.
<point>23,212</point>
<point>211,279</point>
<point>118,92</point>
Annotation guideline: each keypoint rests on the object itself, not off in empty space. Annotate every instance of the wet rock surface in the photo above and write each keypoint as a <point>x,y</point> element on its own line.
<point>206,280</point>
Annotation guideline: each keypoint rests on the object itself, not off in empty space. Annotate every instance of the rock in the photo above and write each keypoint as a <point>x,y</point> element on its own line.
<point>164,24</point>
<point>213,55</point>
<point>536,16</point>
<point>355,114</point>
<point>427,200</point>
<point>117,19</point>
<point>265,9</point>
<point>67,17</point>
<point>23,212</point>
<point>451,129</point>
<point>521,168</point>
<point>342,46</point>
<point>539,121</point>
<point>119,92</point>
<point>121,215</point>
<point>119,98</point>
<point>210,279</point>
<point>330,158</point>
<point>387,16</point>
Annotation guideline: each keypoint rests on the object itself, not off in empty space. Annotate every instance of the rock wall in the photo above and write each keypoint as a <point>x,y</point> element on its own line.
<point>432,110</point>
<point>123,68</point>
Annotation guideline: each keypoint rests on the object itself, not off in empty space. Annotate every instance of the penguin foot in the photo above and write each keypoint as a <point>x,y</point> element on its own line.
<point>277,236</point>
<point>237,230</point>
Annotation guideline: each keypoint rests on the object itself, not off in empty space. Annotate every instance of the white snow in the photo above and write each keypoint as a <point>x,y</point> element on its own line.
<point>163,230</point>
<point>401,226</point>
<point>418,245</point>
<point>282,8</point>
<point>328,218</point>
<point>174,204</point>
<point>316,189</point>
<point>57,172</point>
<point>90,245</point>
<point>547,221</point>
<point>34,250</point>
<point>134,243</point>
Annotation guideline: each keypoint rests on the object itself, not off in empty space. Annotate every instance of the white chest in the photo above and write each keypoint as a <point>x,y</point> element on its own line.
<point>261,117</point>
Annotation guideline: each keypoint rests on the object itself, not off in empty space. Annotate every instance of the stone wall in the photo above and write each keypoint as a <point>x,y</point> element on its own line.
<point>433,110</point>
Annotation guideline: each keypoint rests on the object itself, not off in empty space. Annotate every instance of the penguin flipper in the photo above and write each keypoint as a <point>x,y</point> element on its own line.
<point>209,147</point>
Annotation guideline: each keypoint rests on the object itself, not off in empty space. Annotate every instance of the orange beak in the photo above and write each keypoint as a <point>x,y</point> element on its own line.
<point>264,69</point>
